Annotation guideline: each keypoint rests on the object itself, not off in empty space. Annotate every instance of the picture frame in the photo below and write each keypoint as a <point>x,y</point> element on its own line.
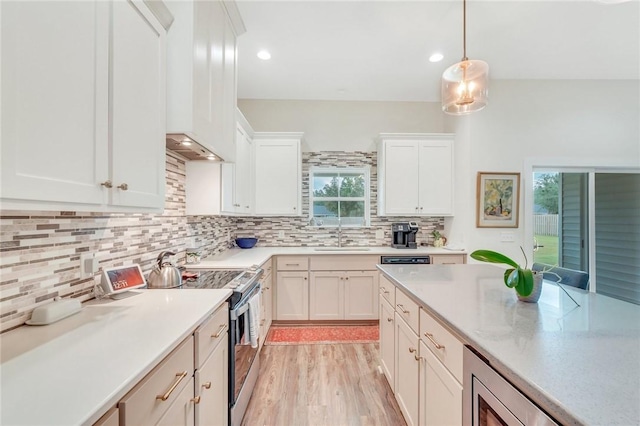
<point>497,200</point>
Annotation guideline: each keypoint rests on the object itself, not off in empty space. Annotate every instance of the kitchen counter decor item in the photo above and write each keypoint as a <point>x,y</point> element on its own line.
<point>527,283</point>
<point>439,240</point>
<point>193,255</point>
<point>246,243</point>
<point>165,274</point>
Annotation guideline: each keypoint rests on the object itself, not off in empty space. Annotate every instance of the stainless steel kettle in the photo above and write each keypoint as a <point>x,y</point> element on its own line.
<point>164,274</point>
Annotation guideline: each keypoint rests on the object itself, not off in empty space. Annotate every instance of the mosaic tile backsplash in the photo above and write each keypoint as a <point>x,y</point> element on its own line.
<point>40,251</point>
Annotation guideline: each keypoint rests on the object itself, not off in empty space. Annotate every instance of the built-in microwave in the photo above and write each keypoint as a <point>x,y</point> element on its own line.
<point>490,400</point>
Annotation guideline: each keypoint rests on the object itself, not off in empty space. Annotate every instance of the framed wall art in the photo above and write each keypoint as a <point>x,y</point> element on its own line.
<point>497,200</point>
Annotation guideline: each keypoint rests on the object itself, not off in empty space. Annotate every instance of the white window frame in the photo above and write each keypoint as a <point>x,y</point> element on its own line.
<point>366,171</point>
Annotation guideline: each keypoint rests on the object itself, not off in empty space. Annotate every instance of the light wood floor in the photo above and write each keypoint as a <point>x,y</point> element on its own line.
<point>322,385</point>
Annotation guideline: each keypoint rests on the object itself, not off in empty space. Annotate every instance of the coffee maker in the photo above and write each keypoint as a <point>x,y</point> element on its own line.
<point>404,235</point>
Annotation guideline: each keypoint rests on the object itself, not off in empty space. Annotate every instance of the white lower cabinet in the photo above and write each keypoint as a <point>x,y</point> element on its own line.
<point>180,413</point>
<point>387,341</point>
<point>326,296</point>
<point>421,359</point>
<point>440,393</point>
<point>292,295</point>
<point>211,387</point>
<point>338,295</point>
<point>407,370</point>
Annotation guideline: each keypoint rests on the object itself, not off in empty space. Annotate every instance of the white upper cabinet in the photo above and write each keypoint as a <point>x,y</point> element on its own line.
<point>243,173</point>
<point>83,103</point>
<point>278,173</point>
<point>201,73</point>
<point>415,175</point>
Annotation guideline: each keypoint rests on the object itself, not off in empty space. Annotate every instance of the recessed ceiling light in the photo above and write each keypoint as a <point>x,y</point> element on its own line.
<point>436,57</point>
<point>264,55</point>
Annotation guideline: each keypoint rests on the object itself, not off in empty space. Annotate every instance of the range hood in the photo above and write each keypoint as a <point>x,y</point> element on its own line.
<point>188,148</point>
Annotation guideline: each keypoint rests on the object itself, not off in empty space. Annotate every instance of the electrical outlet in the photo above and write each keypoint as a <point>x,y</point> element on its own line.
<point>280,234</point>
<point>379,234</point>
<point>507,237</point>
<point>88,264</point>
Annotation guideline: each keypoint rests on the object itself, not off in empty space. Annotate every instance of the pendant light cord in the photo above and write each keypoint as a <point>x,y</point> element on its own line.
<point>464,30</point>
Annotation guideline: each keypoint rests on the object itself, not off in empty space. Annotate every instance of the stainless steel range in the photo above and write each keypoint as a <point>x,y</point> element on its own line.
<point>243,362</point>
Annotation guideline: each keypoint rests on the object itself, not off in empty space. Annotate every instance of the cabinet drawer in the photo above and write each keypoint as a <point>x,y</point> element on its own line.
<point>408,310</point>
<point>432,333</point>
<point>448,259</point>
<point>349,262</point>
<point>181,412</point>
<point>111,418</point>
<point>292,263</point>
<point>143,405</point>
<point>387,290</point>
<point>211,333</point>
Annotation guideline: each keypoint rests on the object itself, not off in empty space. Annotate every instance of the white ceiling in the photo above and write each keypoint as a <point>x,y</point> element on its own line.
<point>379,50</point>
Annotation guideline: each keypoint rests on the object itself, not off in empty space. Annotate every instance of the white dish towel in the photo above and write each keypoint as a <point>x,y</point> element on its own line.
<point>254,320</point>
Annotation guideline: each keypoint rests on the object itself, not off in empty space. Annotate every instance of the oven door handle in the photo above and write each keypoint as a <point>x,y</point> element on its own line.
<point>235,313</point>
<point>243,305</point>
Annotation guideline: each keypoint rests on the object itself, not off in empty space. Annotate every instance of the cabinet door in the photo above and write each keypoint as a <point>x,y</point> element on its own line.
<point>436,177</point>
<point>212,386</point>
<point>228,188</point>
<point>292,296</point>
<point>440,393</point>
<point>55,81</point>
<point>361,295</point>
<point>326,296</point>
<point>401,177</point>
<point>138,106</point>
<point>229,92</point>
<point>181,412</point>
<point>277,177</point>
<point>243,173</point>
<point>267,292</point>
<point>448,259</point>
<point>387,341</point>
<point>406,370</point>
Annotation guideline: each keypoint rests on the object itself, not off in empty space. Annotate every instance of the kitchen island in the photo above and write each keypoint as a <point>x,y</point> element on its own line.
<point>581,364</point>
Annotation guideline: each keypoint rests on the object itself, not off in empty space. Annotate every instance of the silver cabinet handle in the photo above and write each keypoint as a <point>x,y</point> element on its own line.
<point>404,311</point>
<point>436,344</point>
<point>123,186</point>
<point>107,184</point>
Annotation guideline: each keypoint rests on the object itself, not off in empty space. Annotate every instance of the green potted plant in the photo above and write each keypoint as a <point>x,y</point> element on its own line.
<point>438,239</point>
<point>527,283</point>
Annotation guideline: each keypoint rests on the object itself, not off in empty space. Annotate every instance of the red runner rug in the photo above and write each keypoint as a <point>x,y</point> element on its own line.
<point>305,335</point>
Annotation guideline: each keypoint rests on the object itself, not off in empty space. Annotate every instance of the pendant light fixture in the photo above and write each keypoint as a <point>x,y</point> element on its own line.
<point>465,85</point>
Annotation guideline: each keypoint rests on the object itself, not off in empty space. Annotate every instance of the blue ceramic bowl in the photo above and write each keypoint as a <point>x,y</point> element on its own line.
<point>246,243</point>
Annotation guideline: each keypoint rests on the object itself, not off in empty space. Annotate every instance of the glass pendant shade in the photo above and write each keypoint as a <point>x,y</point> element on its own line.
<point>465,87</point>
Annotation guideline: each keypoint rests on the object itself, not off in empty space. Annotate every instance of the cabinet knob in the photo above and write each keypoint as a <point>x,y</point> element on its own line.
<point>267,288</point>
<point>305,278</point>
<point>420,208</point>
<point>107,184</point>
<point>347,278</point>
<point>389,319</point>
<point>196,400</point>
<point>294,208</point>
<point>418,358</point>
<point>207,385</point>
<point>124,186</point>
<point>412,350</point>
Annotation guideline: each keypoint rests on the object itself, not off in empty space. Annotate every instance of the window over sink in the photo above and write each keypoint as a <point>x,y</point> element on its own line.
<point>339,196</point>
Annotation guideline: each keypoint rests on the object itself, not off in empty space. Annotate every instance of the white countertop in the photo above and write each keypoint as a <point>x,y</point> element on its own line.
<point>581,364</point>
<point>245,258</point>
<point>71,371</point>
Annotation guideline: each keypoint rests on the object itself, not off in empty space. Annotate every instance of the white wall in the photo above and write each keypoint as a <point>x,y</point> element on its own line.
<point>587,122</point>
<point>595,121</point>
<point>341,125</point>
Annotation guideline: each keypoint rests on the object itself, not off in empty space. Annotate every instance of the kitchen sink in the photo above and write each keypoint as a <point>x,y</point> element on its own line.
<point>342,249</point>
